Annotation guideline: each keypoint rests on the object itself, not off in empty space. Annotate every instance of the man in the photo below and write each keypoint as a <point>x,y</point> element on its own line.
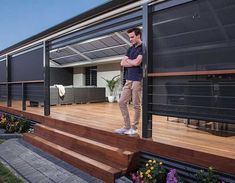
<point>132,88</point>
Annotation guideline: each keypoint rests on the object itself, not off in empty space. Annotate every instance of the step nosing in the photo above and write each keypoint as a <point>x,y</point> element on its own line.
<point>90,141</point>
<point>81,157</point>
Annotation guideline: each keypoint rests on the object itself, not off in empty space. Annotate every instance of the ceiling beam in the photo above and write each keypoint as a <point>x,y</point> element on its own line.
<point>98,61</point>
<point>79,53</point>
<point>122,38</point>
<point>53,63</point>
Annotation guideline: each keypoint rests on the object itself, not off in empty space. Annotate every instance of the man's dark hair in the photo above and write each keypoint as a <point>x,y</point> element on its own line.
<point>136,30</point>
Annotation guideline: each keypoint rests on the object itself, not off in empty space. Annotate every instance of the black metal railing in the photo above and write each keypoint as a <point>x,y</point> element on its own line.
<point>22,90</point>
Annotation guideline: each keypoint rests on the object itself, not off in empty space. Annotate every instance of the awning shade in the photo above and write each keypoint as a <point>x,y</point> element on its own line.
<point>112,45</point>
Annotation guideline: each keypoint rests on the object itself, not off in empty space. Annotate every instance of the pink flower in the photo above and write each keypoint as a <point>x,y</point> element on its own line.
<point>133,176</point>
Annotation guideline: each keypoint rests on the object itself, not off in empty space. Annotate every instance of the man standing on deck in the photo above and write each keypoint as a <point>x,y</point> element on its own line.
<point>132,62</point>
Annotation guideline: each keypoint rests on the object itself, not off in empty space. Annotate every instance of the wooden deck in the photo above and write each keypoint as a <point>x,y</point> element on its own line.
<point>107,117</point>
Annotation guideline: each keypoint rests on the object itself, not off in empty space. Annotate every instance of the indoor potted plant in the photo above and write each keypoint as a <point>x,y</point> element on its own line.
<point>111,84</point>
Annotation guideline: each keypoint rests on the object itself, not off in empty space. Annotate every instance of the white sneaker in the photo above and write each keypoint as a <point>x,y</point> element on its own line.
<point>131,131</point>
<point>121,130</point>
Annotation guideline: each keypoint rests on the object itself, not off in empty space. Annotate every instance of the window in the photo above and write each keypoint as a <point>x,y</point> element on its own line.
<point>91,76</point>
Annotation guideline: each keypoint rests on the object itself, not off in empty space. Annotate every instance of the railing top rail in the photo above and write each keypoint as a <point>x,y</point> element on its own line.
<point>191,73</point>
<point>21,82</point>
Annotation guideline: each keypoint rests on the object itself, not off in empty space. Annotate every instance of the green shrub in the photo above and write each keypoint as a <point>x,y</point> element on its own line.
<point>3,121</point>
<point>207,176</point>
<point>23,125</point>
<point>12,124</point>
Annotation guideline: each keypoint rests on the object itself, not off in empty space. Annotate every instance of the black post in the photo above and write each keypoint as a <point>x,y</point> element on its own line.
<point>147,46</point>
<point>23,97</point>
<point>46,65</point>
<point>8,79</point>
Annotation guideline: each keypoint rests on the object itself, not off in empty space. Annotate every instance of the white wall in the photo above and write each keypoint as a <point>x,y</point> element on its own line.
<point>78,76</point>
<point>107,71</point>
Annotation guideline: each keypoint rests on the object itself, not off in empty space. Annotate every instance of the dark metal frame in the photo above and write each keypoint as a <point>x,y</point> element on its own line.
<point>46,74</point>
<point>23,97</point>
<point>146,38</point>
<point>8,79</point>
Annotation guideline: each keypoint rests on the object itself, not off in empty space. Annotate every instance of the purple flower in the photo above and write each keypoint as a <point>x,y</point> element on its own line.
<point>171,176</point>
<point>133,176</point>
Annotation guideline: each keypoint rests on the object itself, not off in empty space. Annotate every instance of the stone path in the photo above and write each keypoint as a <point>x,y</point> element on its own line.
<point>36,166</point>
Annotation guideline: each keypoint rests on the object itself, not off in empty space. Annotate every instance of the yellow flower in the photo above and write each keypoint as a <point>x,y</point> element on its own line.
<point>160,163</point>
<point>150,161</point>
<point>147,164</point>
<point>152,168</point>
<point>154,161</point>
<point>147,172</point>
<point>149,176</point>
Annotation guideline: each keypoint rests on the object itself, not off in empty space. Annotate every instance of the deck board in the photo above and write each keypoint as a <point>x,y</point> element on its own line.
<point>107,116</point>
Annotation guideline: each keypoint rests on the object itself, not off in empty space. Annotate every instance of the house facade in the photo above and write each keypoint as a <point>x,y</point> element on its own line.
<point>188,65</point>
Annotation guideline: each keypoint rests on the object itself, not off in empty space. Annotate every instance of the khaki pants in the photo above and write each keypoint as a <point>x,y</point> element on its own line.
<point>131,89</point>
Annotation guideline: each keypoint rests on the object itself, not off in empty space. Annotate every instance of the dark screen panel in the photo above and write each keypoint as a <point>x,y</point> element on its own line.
<point>197,97</point>
<point>16,91</point>
<point>3,71</point>
<point>35,92</point>
<point>27,66</point>
<point>62,76</point>
<point>195,36</point>
<point>3,92</point>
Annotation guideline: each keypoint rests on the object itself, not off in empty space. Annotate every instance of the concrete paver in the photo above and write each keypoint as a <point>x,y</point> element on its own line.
<point>36,166</point>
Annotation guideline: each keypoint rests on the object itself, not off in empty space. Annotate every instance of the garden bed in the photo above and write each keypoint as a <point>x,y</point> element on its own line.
<point>12,126</point>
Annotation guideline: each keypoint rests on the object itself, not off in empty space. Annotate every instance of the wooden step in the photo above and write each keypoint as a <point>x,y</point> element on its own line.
<point>107,154</point>
<point>98,135</point>
<point>91,166</point>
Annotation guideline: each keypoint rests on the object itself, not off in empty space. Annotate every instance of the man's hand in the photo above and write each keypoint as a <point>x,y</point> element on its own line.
<point>126,62</point>
<point>135,62</point>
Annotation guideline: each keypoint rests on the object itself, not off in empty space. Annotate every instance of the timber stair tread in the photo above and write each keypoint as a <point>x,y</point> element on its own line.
<point>127,152</point>
<point>99,135</point>
<point>108,154</point>
<point>93,167</point>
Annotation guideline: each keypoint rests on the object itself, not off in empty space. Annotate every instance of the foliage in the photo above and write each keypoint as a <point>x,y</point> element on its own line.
<point>3,121</point>
<point>207,176</point>
<point>153,172</point>
<point>111,84</point>
<point>6,176</point>
<point>1,141</point>
<point>13,124</point>
<point>23,125</point>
